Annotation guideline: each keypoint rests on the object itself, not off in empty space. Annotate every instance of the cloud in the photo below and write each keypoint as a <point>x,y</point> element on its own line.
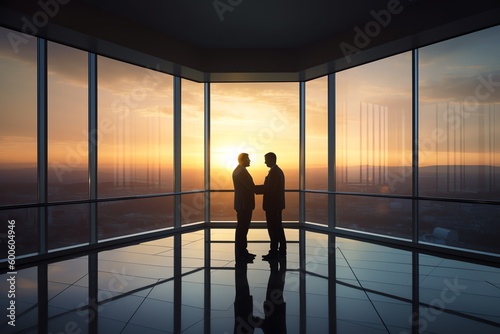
<point>255,99</point>
<point>155,111</point>
<point>483,88</point>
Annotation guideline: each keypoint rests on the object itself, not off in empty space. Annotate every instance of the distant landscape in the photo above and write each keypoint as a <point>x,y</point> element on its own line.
<point>476,224</point>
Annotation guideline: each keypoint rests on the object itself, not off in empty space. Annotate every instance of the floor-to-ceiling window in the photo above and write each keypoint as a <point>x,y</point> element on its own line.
<point>67,111</point>
<point>459,141</point>
<point>18,138</point>
<point>316,150</point>
<point>455,201</point>
<point>135,148</point>
<point>254,118</point>
<point>192,151</point>
<point>374,146</point>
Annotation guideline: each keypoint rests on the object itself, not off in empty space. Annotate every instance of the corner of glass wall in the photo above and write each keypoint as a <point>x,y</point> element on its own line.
<point>459,145</point>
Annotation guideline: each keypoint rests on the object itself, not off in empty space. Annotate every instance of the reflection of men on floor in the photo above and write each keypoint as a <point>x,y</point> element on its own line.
<point>275,306</point>
<point>244,321</point>
<point>244,203</point>
<point>273,204</point>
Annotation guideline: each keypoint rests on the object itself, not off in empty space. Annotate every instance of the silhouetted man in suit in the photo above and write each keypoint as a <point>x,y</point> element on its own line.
<point>273,204</point>
<point>244,203</point>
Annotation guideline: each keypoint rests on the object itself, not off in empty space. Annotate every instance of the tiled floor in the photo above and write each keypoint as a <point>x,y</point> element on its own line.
<point>328,285</point>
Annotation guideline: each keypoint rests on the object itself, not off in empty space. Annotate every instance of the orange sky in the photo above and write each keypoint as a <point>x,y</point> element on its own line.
<point>135,113</point>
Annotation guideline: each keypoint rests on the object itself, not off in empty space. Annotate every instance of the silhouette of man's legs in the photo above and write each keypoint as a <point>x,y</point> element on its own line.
<point>276,233</point>
<point>240,244</point>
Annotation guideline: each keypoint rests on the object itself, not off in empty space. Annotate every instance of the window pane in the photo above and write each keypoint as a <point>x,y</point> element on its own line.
<point>121,218</point>
<point>459,117</point>
<point>135,130</point>
<point>463,225</point>
<point>18,103</point>
<point>255,118</point>
<point>68,225</point>
<point>193,130</point>
<point>317,134</point>
<point>386,216</point>
<point>374,127</point>
<point>192,208</point>
<point>291,212</point>
<point>68,123</point>
<point>222,208</point>
<point>317,208</point>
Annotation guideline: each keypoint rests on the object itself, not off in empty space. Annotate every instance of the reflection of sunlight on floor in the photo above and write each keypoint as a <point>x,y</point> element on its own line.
<point>254,234</point>
<point>258,235</point>
<point>222,234</point>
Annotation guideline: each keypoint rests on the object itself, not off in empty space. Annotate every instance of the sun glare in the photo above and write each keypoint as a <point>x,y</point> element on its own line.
<point>226,157</point>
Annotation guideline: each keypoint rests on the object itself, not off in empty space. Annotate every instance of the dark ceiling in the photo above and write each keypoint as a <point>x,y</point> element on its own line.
<point>248,40</point>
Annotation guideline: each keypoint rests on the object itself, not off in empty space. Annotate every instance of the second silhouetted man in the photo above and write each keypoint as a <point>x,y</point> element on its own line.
<point>273,204</point>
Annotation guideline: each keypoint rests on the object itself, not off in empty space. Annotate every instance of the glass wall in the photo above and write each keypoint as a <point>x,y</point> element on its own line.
<point>18,132</point>
<point>67,80</point>
<point>374,127</point>
<point>459,106</point>
<point>374,145</point>
<point>255,118</point>
<point>316,119</point>
<point>134,216</point>
<point>193,135</point>
<point>381,215</point>
<point>18,141</point>
<point>135,149</point>
<point>68,225</point>
<point>459,145</point>
<point>316,149</point>
<point>455,203</point>
<point>135,128</point>
<point>192,151</point>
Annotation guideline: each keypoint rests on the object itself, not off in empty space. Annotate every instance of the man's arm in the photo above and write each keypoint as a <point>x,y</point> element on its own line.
<point>247,181</point>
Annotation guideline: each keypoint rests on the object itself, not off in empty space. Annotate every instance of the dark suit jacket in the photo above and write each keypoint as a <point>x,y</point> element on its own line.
<point>244,189</point>
<point>273,190</point>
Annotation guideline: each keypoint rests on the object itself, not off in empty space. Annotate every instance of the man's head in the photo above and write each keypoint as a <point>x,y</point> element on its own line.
<point>243,159</point>
<point>270,159</point>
